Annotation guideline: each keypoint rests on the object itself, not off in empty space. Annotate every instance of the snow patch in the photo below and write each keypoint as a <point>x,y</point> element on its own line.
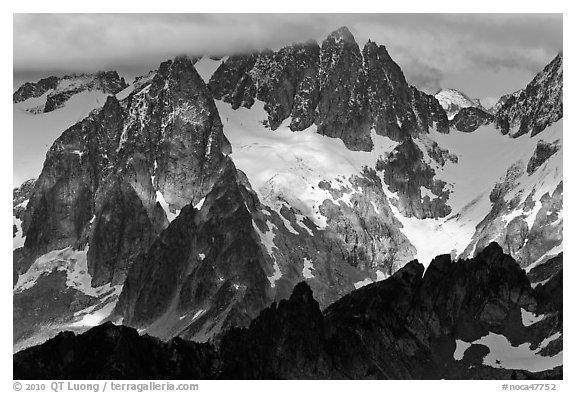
<point>362,283</point>
<point>94,315</point>
<point>73,262</point>
<point>533,213</point>
<point>529,318</point>
<point>300,221</point>
<point>196,315</point>
<point>504,355</point>
<point>267,239</point>
<point>19,239</point>
<point>169,214</point>
<point>199,205</point>
<point>424,192</point>
<point>308,267</point>
<point>461,347</point>
<point>381,276</point>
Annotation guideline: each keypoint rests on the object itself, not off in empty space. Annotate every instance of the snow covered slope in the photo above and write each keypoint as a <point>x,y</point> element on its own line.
<point>453,100</point>
<point>291,164</point>
<point>285,166</point>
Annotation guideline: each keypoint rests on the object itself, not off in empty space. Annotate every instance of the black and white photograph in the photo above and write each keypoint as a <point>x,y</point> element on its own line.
<point>285,196</point>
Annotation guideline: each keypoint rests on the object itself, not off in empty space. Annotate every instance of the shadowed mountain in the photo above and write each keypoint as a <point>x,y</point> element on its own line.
<point>409,326</point>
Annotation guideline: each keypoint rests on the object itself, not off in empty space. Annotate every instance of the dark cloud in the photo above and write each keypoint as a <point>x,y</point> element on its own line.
<point>432,49</point>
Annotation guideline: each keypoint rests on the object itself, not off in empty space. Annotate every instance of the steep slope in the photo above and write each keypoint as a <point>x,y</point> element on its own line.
<point>526,215</point>
<point>110,184</point>
<point>519,183</point>
<point>345,92</point>
<point>181,215</point>
<point>535,107</point>
<point>217,275</point>
<point>471,319</point>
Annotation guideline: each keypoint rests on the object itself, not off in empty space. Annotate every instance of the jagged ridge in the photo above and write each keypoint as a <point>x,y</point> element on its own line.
<point>402,328</point>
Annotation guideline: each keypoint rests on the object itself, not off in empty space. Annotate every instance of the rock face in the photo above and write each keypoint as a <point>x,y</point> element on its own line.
<point>405,327</point>
<point>407,174</point>
<point>469,119</point>
<point>344,91</point>
<point>342,107</point>
<point>397,109</point>
<point>61,89</point>
<point>217,272</point>
<point>502,100</point>
<point>544,151</point>
<point>29,90</point>
<point>140,215</point>
<point>535,107</point>
<point>112,182</point>
<point>285,80</point>
<point>122,229</point>
<point>528,222</point>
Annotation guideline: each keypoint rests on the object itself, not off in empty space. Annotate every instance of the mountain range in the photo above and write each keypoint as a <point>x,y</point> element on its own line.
<point>191,205</point>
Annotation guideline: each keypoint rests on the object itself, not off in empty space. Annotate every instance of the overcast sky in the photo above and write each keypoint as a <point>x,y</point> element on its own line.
<point>484,55</point>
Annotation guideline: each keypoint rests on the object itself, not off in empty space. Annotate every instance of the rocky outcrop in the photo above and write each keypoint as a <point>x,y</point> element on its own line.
<point>62,201</point>
<point>400,328</point>
<point>342,107</point>
<point>502,100</point>
<point>405,327</point>
<point>143,193</point>
<point>397,109</point>
<point>33,90</point>
<point>204,273</point>
<point>121,230</point>
<point>112,182</point>
<point>527,226</point>
<point>342,90</point>
<point>470,119</point>
<point>285,80</point>
<point>20,196</point>
<point>535,107</point>
<point>407,173</point>
<point>61,89</point>
<point>544,151</point>
<point>367,228</point>
<point>170,133</point>
<point>546,270</point>
<point>173,130</point>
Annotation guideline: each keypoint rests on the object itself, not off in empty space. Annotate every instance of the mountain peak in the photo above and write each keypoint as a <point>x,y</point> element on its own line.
<point>453,101</point>
<point>342,34</point>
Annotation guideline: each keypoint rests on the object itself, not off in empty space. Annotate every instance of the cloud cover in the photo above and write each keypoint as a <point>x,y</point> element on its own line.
<point>485,55</point>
